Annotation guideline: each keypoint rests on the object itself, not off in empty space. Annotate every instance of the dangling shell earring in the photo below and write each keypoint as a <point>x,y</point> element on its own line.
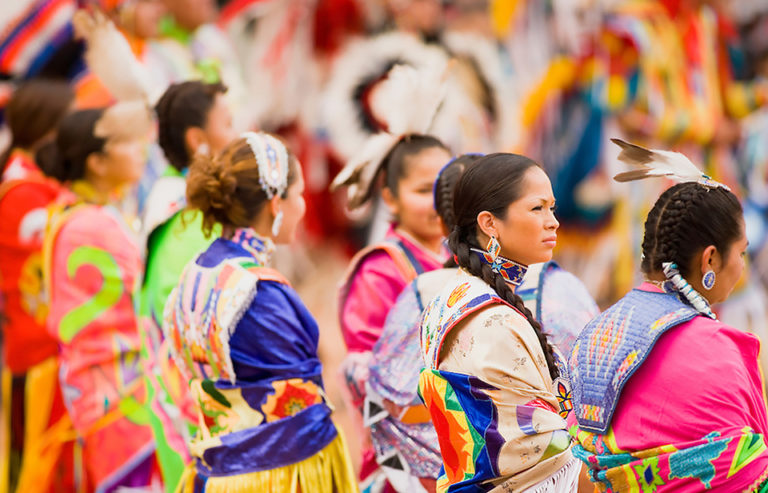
<point>708,280</point>
<point>277,223</point>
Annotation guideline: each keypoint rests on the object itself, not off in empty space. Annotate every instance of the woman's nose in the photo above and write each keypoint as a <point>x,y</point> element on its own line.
<point>553,223</point>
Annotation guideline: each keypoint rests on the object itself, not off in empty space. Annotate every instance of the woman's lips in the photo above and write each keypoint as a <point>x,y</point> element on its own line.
<point>550,241</point>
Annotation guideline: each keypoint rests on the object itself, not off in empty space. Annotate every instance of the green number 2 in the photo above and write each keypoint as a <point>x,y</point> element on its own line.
<point>108,296</point>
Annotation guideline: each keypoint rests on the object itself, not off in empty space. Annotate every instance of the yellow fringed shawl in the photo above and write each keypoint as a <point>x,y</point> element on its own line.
<point>329,470</point>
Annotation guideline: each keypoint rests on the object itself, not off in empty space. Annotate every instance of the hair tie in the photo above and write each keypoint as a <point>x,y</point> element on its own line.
<point>679,284</point>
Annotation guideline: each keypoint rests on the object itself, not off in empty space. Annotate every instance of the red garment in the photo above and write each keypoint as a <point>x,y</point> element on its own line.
<point>24,198</point>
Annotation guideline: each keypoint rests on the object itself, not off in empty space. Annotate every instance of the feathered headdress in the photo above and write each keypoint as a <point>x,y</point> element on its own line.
<point>406,102</point>
<point>654,163</point>
<point>109,56</point>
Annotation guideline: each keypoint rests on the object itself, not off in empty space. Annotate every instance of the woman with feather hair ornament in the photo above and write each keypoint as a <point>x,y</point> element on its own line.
<point>408,161</point>
<point>667,397</point>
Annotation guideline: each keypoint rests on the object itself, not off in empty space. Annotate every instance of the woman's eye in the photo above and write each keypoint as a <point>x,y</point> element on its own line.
<point>553,208</point>
<point>537,208</point>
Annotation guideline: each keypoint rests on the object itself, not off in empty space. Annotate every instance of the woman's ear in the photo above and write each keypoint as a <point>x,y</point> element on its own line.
<point>274,205</point>
<point>711,259</point>
<point>194,137</point>
<point>96,165</point>
<point>391,201</point>
<point>486,223</point>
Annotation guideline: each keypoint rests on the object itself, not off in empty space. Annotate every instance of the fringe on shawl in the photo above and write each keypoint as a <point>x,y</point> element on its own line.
<point>328,470</point>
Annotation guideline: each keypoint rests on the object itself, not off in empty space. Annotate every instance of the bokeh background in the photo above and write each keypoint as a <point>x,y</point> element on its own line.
<point>552,79</point>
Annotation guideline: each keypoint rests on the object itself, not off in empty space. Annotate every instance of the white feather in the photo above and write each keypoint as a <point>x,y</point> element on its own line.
<point>367,59</point>
<point>409,98</point>
<point>655,163</point>
<point>406,101</point>
<point>360,171</point>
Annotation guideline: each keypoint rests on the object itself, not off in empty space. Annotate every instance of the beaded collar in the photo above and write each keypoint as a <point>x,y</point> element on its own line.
<point>260,248</point>
<point>511,271</point>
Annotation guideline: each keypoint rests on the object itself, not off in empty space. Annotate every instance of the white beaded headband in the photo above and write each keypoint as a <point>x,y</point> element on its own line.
<point>272,157</point>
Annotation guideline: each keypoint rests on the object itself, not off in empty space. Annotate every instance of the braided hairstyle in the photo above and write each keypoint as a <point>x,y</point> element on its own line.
<point>182,106</point>
<point>491,184</point>
<point>227,188</point>
<point>445,185</point>
<point>443,192</point>
<point>687,218</point>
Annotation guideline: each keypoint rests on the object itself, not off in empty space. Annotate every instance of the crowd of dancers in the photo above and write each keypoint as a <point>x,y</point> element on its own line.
<point>150,343</point>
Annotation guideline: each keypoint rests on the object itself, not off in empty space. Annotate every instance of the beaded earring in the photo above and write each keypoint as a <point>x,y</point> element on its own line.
<point>493,248</point>
<point>708,280</point>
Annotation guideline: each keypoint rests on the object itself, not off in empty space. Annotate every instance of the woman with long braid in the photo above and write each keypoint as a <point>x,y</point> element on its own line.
<point>489,381</point>
<point>666,397</point>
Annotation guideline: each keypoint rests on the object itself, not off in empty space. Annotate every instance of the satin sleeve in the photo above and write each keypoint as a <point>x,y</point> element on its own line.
<point>276,338</point>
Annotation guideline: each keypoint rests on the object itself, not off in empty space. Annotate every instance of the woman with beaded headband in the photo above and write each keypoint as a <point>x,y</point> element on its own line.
<point>245,341</point>
<point>491,375</point>
<point>667,397</point>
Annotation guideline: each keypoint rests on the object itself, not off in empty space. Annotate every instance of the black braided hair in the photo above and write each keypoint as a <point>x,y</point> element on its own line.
<point>183,105</point>
<point>687,218</point>
<point>491,184</point>
<point>444,186</point>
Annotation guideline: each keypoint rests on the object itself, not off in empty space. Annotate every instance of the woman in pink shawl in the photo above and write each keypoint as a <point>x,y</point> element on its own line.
<point>665,396</point>
<point>413,245</point>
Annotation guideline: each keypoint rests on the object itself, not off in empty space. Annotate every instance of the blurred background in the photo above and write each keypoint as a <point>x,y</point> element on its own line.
<point>551,79</point>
